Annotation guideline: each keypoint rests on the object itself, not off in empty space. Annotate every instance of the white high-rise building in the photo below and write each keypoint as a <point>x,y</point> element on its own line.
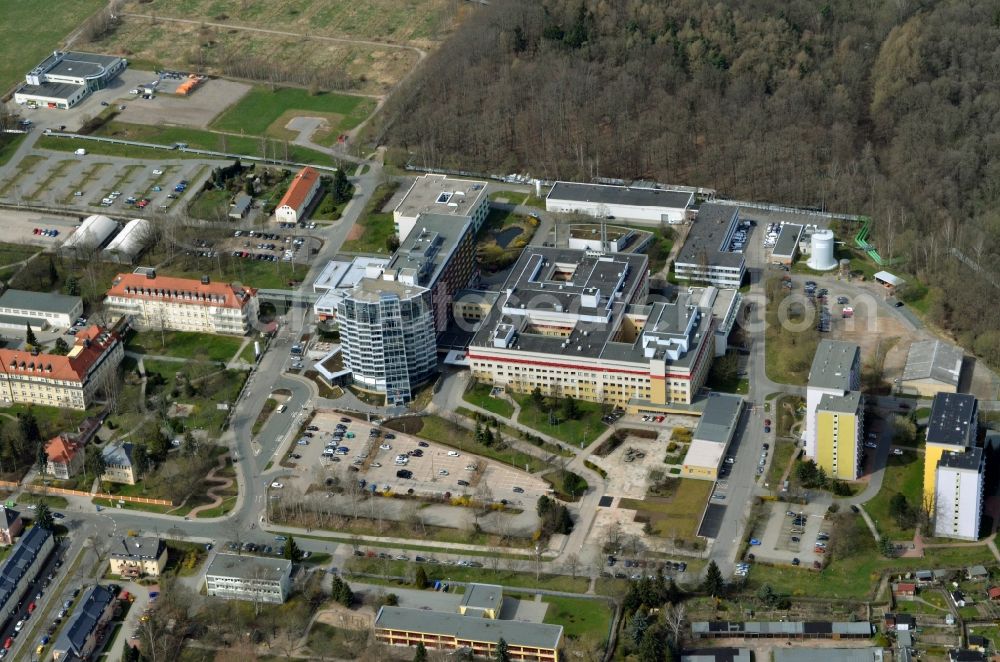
<point>958,499</point>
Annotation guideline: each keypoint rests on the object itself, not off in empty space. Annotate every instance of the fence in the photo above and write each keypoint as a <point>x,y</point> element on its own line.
<point>45,490</point>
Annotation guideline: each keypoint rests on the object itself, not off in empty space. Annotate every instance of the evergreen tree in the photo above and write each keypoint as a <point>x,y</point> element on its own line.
<point>131,654</point>
<point>341,186</point>
<point>501,654</point>
<point>292,551</point>
<point>140,460</point>
<point>94,464</point>
<point>72,287</point>
<point>28,425</point>
<point>637,627</point>
<point>43,517</point>
<point>714,583</point>
<point>652,646</point>
<point>29,336</point>
<point>62,347</point>
<point>53,272</point>
<point>189,446</point>
<point>537,398</point>
<point>420,578</point>
<point>420,655</point>
<point>41,457</point>
<point>570,409</point>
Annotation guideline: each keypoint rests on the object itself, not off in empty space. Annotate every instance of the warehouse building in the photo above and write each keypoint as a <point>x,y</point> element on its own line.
<point>707,254</point>
<point>786,248</point>
<point>90,237</point>
<point>717,655</point>
<point>828,655</point>
<point>40,309</point>
<point>834,409</point>
<point>240,207</point>
<point>575,324</point>
<point>129,244</point>
<point>650,206</point>
<point>252,578</point>
<point>712,436</point>
<point>958,494</point>
<point>932,367</point>
<point>182,304</point>
<point>64,79</point>
<point>299,195</point>
<point>462,200</point>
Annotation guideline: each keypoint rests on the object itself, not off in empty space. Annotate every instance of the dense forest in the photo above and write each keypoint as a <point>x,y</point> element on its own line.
<point>887,108</point>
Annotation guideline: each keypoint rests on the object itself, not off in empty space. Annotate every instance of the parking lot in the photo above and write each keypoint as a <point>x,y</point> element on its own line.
<point>86,183</point>
<point>197,109</point>
<point>19,228</point>
<point>272,246</point>
<point>434,470</point>
<point>787,537</point>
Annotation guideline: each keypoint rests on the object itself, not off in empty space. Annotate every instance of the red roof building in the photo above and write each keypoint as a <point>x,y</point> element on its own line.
<point>994,593</point>
<point>298,196</point>
<point>182,304</point>
<point>65,457</point>
<point>906,589</point>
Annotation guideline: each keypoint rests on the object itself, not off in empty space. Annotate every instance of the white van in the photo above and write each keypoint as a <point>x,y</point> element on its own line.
<point>281,409</point>
<point>80,152</point>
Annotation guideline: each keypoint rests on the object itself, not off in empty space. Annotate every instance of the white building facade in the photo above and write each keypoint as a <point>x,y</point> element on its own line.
<point>250,578</point>
<point>648,205</point>
<point>958,507</point>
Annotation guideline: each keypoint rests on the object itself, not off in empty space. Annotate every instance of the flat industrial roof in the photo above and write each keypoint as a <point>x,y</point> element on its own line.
<point>482,596</point>
<point>717,423</point>
<point>952,420</point>
<point>703,453</point>
<point>717,655</point>
<point>708,233</point>
<point>788,240</point>
<point>827,654</point>
<point>832,364</point>
<point>339,274</point>
<point>372,290</point>
<point>472,628</point>
<point>428,247</point>
<point>620,195</point>
<point>738,628</point>
<point>62,91</point>
<point>438,194</point>
<point>933,359</point>
<point>41,301</point>
<point>248,567</point>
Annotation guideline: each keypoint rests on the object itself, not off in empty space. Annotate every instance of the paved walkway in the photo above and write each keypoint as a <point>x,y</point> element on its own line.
<point>224,483</point>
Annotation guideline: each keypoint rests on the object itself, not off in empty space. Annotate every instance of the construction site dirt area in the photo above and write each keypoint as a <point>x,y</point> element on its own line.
<point>196,109</point>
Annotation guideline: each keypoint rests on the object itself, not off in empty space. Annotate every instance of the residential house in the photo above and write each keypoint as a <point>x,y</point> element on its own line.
<point>965,655</point>
<point>958,597</point>
<point>900,622</point>
<point>80,636</point>
<point>977,573</point>
<point>977,643</point>
<point>136,556</point>
<point>64,457</point>
<point>10,525</point>
<point>906,590</point>
<point>118,465</point>
<point>994,593</point>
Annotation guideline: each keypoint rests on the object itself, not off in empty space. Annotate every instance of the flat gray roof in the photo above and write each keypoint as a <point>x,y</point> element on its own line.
<point>428,247</point>
<point>438,194</point>
<point>717,655</point>
<point>717,423</point>
<point>970,460</point>
<point>241,204</point>
<point>473,628</point>
<point>708,234</point>
<point>788,240</point>
<point>953,419</point>
<point>738,628</point>
<point>933,359</point>
<point>843,404</point>
<point>620,195</point>
<point>482,596</point>
<point>87,65</point>
<point>61,91</point>
<point>248,567</point>
<point>827,654</point>
<point>371,290</point>
<point>41,301</point>
<point>831,366</point>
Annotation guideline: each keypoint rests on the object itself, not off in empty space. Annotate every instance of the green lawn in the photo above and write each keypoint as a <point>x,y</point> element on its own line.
<point>10,143</point>
<point>456,573</point>
<point>220,510</point>
<point>258,111</point>
<point>29,32</point>
<point>520,198</point>
<point>255,273</point>
<point>442,431</point>
<point>112,149</point>
<point>210,205</point>
<point>376,227</point>
<point>782,452</point>
<point>53,501</point>
<point>579,616</point>
<point>51,420</point>
<point>336,642</point>
<point>903,475</point>
<point>250,145</point>
<point>186,345</point>
<point>585,428</point>
<point>677,515</point>
<point>11,253</point>
<point>479,395</point>
<point>790,342</point>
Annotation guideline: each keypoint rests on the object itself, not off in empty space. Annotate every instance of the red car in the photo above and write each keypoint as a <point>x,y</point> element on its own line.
<point>10,642</point>
<point>767,421</point>
<point>36,231</point>
<point>660,419</point>
<point>31,607</point>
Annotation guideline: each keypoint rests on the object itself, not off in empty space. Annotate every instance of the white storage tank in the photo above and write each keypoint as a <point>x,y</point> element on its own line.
<point>822,251</point>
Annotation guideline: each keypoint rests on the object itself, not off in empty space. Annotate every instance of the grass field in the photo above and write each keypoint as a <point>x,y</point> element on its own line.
<point>782,455</point>
<point>376,226</point>
<point>500,576</point>
<point>111,149</point>
<point>674,516</point>
<point>442,431</point>
<point>186,345</point>
<point>9,145</point>
<point>903,475</point>
<point>584,429</point>
<point>479,395</point>
<point>336,642</point>
<point>28,33</point>
<point>250,145</point>
<point>255,273</point>
<point>579,616</point>
<point>11,253</point>
<point>265,112</point>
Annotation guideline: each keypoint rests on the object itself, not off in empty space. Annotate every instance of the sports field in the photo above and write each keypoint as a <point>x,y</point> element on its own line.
<point>27,35</point>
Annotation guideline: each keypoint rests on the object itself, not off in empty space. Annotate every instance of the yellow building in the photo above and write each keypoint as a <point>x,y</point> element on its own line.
<point>483,600</point>
<point>952,426</point>
<point>138,557</point>
<point>839,420</point>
